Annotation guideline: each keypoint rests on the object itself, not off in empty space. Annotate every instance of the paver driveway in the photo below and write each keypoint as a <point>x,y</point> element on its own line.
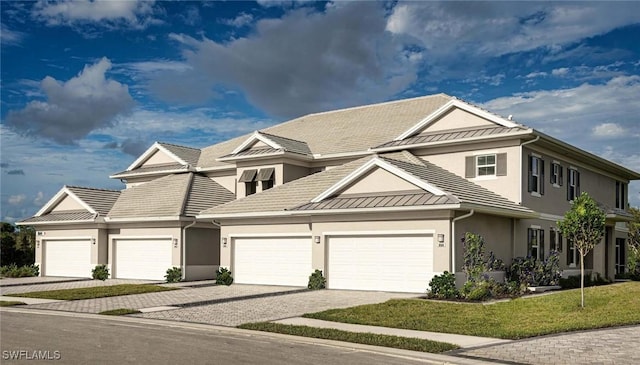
<point>272,308</point>
<point>604,346</point>
<point>70,284</point>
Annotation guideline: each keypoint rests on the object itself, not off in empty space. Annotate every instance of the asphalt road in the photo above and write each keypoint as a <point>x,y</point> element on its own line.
<point>71,339</point>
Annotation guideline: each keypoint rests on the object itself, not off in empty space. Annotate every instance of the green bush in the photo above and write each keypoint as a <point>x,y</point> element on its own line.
<point>443,286</point>
<point>573,281</point>
<point>100,272</point>
<point>531,272</point>
<point>479,291</point>
<point>223,277</point>
<point>15,271</point>
<point>174,275</point>
<point>317,281</point>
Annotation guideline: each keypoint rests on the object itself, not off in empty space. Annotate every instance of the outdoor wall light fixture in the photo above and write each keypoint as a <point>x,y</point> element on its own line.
<point>224,241</point>
<point>38,244</point>
<point>175,243</point>
<point>440,237</point>
<point>93,241</point>
<point>316,239</point>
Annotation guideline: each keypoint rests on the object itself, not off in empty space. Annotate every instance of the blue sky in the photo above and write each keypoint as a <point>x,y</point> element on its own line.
<point>87,86</point>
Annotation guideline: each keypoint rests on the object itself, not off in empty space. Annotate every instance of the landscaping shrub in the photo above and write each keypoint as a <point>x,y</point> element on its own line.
<point>317,281</point>
<point>573,281</point>
<point>15,271</point>
<point>174,275</point>
<point>443,286</point>
<point>530,272</point>
<point>100,272</point>
<point>224,277</point>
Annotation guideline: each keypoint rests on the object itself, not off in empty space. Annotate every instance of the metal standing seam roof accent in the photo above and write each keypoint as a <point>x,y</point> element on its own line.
<point>63,216</point>
<point>381,200</point>
<point>451,135</point>
<point>248,175</point>
<point>288,144</point>
<point>255,152</point>
<point>153,168</point>
<point>265,174</point>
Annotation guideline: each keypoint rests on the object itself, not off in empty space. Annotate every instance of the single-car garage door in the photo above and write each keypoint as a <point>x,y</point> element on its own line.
<point>272,260</point>
<point>399,263</point>
<point>68,258</point>
<point>142,258</point>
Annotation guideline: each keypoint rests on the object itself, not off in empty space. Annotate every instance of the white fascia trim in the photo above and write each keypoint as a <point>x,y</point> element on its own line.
<point>215,168</point>
<point>282,213</point>
<point>319,156</point>
<point>150,173</point>
<point>455,103</point>
<point>452,141</point>
<point>151,150</point>
<point>48,223</point>
<point>58,198</point>
<point>117,237</point>
<point>512,213</point>
<point>256,136</point>
<point>385,232</point>
<point>143,219</point>
<point>270,235</point>
<point>369,165</point>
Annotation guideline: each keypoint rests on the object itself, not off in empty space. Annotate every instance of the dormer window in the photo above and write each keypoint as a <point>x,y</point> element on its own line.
<point>248,177</point>
<point>267,177</point>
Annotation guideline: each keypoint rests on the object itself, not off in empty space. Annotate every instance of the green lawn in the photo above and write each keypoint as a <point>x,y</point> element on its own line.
<point>414,344</point>
<point>10,303</point>
<point>95,292</point>
<point>120,312</point>
<point>605,306</point>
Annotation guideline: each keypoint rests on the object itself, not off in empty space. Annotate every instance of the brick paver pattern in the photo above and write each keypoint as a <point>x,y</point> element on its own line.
<point>617,346</point>
<point>272,308</point>
<point>68,285</point>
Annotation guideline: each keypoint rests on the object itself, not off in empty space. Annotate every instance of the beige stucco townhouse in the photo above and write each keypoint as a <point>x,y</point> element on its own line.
<point>376,196</point>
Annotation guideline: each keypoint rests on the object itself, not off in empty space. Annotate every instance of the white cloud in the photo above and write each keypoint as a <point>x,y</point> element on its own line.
<point>608,130</point>
<point>17,199</point>
<point>536,74</point>
<point>456,34</point>
<point>239,21</point>
<point>10,37</point>
<point>305,61</point>
<point>107,14</point>
<point>563,71</point>
<point>74,108</point>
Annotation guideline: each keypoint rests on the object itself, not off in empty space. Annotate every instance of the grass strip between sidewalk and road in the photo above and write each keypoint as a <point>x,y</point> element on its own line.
<point>10,303</point>
<point>405,343</point>
<point>120,312</point>
<point>605,306</point>
<point>94,292</point>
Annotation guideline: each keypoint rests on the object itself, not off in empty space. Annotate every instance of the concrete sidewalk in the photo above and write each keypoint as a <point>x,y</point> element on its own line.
<point>460,340</point>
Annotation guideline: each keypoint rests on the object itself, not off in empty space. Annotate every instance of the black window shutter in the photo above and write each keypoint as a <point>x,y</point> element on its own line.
<point>501,169</point>
<point>541,244</point>
<point>530,180</point>
<point>470,167</point>
<point>577,183</point>
<point>569,184</point>
<point>541,179</point>
<point>569,253</point>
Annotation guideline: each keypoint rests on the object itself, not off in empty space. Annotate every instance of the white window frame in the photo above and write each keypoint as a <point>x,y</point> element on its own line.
<point>536,188</point>
<point>486,165</point>
<point>538,236</point>
<point>555,174</point>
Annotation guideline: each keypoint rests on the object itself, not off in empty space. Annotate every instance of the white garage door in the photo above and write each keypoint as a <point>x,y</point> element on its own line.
<point>68,258</point>
<point>142,258</point>
<point>272,261</point>
<point>385,263</point>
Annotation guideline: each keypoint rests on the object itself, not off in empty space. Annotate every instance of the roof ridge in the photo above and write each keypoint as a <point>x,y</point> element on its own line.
<point>178,145</point>
<point>187,193</point>
<point>279,136</point>
<point>90,188</point>
<point>491,112</point>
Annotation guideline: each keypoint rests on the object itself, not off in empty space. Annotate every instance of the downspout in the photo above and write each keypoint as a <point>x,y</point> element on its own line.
<point>184,248</point>
<point>521,170</point>
<point>453,240</point>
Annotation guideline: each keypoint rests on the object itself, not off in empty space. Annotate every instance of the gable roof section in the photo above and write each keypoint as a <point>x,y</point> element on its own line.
<point>96,204</point>
<point>168,198</point>
<point>317,192</point>
<point>275,145</point>
<point>184,157</point>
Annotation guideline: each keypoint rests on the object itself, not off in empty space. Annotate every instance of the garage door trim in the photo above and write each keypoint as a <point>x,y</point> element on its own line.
<point>113,240</point>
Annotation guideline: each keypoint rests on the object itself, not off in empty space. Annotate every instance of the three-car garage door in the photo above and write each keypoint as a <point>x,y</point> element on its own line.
<point>142,258</point>
<point>68,258</point>
<point>397,263</point>
<point>272,260</point>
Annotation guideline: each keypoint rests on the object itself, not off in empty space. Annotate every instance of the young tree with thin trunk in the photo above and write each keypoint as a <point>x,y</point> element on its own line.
<point>634,241</point>
<point>583,225</point>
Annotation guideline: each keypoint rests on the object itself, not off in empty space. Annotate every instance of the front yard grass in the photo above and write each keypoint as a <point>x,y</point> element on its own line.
<point>10,303</point>
<point>95,292</point>
<point>605,306</point>
<point>120,312</point>
<point>414,344</point>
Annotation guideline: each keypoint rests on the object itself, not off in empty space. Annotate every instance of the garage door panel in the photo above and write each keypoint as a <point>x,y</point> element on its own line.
<point>68,258</point>
<point>272,260</point>
<point>401,263</point>
<point>142,258</point>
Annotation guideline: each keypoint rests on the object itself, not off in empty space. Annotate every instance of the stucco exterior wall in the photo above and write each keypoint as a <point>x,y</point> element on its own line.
<point>378,180</point>
<point>68,203</point>
<point>158,158</point>
<point>457,118</point>
<point>496,231</point>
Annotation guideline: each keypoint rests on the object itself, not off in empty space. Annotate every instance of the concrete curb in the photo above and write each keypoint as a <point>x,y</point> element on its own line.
<point>43,282</point>
<point>428,358</point>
